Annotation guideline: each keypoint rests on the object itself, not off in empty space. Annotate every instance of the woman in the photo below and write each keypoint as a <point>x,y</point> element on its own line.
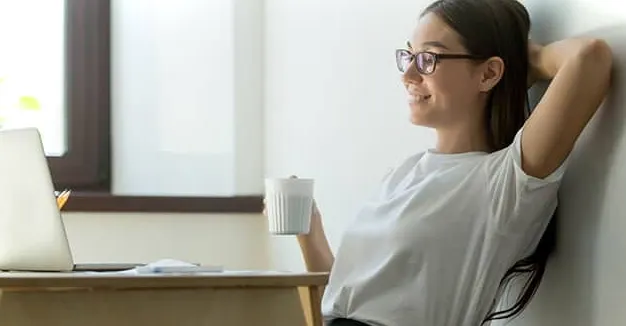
<point>450,226</point>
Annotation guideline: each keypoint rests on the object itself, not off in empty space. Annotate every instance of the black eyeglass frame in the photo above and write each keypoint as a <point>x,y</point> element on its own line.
<point>437,58</point>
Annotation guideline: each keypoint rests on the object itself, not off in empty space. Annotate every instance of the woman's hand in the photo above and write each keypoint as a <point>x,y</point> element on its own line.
<point>316,217</point>
<point>314,246</point>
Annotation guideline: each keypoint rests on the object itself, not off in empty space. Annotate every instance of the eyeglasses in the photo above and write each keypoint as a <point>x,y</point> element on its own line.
<point>426,61</point>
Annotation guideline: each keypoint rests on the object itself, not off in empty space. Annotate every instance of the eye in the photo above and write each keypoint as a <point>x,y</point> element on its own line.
<point>425,62</point>
<point>403,59</point>
<point>426,59</point>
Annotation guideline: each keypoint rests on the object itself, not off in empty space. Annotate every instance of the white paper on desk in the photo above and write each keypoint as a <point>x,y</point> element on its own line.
<point>153,267</point>
<point>173,265</point>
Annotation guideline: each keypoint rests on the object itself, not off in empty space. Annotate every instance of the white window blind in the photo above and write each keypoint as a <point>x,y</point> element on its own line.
<point>186,97</point>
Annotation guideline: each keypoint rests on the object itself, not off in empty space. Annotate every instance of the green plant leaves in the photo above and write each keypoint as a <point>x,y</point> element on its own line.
<point>29,103</point>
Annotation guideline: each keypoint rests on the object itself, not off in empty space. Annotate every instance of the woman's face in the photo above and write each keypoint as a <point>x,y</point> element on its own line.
<point>450,94</point>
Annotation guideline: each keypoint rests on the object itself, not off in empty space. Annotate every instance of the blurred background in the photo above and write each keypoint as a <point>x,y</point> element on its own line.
<point>193,102</point>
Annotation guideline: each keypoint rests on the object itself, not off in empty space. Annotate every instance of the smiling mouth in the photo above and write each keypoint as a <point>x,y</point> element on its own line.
<point>418,98</point>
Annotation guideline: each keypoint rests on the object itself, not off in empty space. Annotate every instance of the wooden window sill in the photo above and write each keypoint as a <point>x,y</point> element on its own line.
<point>105,202</point>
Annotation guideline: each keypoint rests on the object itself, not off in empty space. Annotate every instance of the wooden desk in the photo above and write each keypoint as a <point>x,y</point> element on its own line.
<point>69,299</point>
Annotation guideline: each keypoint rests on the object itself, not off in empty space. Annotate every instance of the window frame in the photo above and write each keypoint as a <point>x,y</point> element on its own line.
<point>86,163</point>
<point>86,166</point>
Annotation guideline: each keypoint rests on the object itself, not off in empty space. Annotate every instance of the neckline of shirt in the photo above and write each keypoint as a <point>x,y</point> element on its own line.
<point>432,154</point>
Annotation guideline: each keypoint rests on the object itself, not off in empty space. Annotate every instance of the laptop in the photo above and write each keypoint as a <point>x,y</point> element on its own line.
<point>32,233</point>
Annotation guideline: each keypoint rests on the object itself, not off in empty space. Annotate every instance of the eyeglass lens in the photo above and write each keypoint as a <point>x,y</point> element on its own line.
<point>424,61</point>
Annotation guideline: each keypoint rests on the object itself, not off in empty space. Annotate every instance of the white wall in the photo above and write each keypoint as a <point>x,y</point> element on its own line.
<point>585,283</point>
<point>335,111</point>
<point>236,241</point>
<point>335,108</point>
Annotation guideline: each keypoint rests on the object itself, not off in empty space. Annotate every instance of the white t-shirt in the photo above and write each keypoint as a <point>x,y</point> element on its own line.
<point>432,245</point>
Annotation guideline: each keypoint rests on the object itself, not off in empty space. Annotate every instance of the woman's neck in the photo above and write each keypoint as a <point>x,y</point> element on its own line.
<point>462,140</point>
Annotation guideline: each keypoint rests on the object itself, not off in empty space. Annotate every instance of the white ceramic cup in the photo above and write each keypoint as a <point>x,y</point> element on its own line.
<point>288,204</point>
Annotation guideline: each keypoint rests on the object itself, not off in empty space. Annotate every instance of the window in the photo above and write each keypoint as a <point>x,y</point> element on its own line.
<point>53,76</point>
<point>31,69</point>
<point>57,77</point>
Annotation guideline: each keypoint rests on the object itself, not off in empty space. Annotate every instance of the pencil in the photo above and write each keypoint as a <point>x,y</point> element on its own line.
<point>62,198</point>
<point>59,194</point>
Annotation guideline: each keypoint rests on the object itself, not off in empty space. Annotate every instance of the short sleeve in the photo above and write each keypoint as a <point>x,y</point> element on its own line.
<point>519,200</point>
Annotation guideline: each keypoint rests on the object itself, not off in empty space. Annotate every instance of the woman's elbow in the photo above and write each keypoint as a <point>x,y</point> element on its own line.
<point>595,57</point>
<point>597,53</point>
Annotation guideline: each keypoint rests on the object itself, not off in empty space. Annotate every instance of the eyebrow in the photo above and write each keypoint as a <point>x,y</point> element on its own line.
<point>434,44</point>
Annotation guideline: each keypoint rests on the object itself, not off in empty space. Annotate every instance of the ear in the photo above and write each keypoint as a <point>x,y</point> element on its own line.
<point>492,72</point>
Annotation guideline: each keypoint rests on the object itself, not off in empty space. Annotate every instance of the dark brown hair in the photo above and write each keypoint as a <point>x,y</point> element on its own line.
<point>500,28</point>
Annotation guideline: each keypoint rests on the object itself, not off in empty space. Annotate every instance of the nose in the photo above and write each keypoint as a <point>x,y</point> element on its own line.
<point>411,75</point>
